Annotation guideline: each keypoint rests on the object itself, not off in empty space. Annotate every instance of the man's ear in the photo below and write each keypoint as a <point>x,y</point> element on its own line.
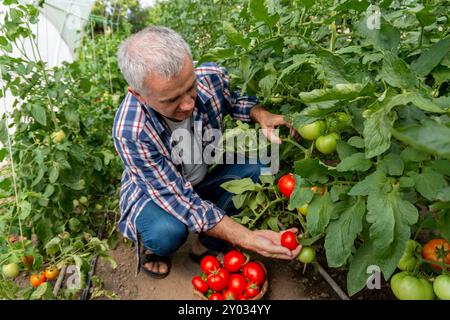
<point>137,95</point>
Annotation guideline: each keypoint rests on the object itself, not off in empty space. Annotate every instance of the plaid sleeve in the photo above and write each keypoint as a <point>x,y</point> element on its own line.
<point>238,105</point>
<point>160,180</point>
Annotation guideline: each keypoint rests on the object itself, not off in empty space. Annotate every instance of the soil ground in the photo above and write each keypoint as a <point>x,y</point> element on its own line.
<point>286,280</point>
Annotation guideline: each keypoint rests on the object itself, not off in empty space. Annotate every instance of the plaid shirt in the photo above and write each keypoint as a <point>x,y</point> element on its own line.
<point>143,143</point>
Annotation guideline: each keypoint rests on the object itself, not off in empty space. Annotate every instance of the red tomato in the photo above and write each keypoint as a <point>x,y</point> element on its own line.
<point>254,272</point>
<point>216,282</point>
<point>237,283</point>
<point>37,279</point>
<point>252,290</point>
<point>286,184</point>
<point>234,260</point>
<point>199,284</point>
<point>224,274</point>
<point>216,296</point>
<point>242,298</point>
<point>230,295</point>
<point>289,240</point>
<point>437,250</point>
<point>209,264</point>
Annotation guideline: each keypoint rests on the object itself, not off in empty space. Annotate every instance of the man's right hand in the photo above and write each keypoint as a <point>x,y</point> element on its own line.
<point>268,244</point>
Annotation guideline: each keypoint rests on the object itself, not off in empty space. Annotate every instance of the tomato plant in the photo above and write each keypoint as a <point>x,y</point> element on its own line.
<point>437,250</point>
<point>406,286</point>
<point>289,240</point>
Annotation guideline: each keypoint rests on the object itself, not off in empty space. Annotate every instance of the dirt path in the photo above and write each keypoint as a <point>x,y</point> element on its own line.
<point>285,278</point>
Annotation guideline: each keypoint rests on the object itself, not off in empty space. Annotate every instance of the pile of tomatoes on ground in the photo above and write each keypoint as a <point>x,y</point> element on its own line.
<point>409,284</point>
<point>236,279</point>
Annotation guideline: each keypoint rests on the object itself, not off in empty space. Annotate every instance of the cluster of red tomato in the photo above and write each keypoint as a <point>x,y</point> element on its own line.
<point>50,273</point>
<point>236,279</point>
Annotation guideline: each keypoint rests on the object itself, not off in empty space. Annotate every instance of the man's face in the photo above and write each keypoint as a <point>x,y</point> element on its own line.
<point>173,98</point>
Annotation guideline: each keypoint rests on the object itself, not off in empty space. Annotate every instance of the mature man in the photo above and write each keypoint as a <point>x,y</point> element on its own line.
<point>161,202</point>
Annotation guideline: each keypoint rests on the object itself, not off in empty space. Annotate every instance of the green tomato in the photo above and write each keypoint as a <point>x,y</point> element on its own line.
<point>98,207</point>
<point>313,130</point>
<point>11,270</point>
<point>307,255</point>
<point>406,286</point>
<point>327,144</point>
<point>303,209</point>
<point>83,200</point>
<point>58,136</point>
<point>441,287</point>
<point>276,100</point>
<point>408,261</point>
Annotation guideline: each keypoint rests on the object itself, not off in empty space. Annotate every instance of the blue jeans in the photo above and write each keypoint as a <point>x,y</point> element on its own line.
<point>163,234</point>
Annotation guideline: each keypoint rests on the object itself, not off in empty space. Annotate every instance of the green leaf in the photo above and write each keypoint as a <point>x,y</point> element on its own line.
<point>444,224</point>
<point>430,137</point>
<point>429,59</point>
<point>267,83</point>
<point>85,84</point>
<point>406,182</point>
<point>74,224</point>
<point>53,246</point>
<point>337,190</point>
<point>319,214</point>
<point>272,222</point>
<point>44,291</point>
<point>377,131</point>
<point>371,183</point>
<point>428,183</point>
<point>384,38</point>
<point>355,162</point>
<point>300,195</point>
<point>259,11</point>
<point>25,209</point>
<point>385,211</point>
<point>54,174</point>
<point>312,170</point>
<point>396,72</point>
<point>239,186</point>
<point>3,132</point>
<point>441,166</point>
<point>391,219</point>
<point>234,37</point>
<point>39,114</point>
<point>267,179</point>
<point>344,150</point>
<point>394,164</point>
<point>409,154</point>
<point>240,199</point>
<point>49,189</point>
<point>39,177</point>
<point>356,142</point>
<point>342,233</point>
<point>444,195</point>
<point>338,92</point>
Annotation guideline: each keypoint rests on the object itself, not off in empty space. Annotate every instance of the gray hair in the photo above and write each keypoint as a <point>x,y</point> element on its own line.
<point>153,50</point>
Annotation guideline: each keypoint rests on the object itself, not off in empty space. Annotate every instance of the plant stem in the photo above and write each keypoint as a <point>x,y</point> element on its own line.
<point>296,144</point>
<point>259,215</point>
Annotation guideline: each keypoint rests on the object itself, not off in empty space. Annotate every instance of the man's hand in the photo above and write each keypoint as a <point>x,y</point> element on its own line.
<point>269,122</point>
<point>268,244</point>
